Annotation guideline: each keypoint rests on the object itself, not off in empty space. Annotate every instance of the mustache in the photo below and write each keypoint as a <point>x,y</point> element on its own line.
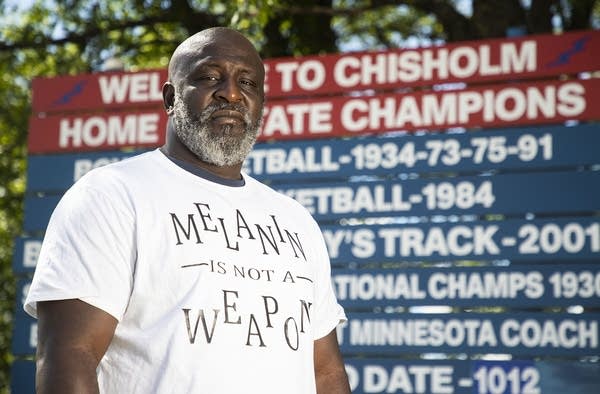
<point>212,108</point>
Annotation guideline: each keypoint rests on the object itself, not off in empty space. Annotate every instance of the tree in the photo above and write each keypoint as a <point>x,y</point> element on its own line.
<point>383,24</point>
<point>77,36</point>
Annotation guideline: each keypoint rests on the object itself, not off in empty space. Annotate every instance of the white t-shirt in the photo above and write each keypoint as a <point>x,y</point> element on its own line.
<point>217,288</point>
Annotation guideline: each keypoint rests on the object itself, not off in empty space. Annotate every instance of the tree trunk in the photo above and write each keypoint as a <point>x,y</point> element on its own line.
<point>539,17</point>
<point>457,27</point>
<point>498,18</point>
<point>580,14</point>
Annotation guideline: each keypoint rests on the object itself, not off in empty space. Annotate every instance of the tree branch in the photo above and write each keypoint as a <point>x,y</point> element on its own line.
<point>78,37</point>
<point>456,25</point>
<point>192,20</point>
<point>321,10</point>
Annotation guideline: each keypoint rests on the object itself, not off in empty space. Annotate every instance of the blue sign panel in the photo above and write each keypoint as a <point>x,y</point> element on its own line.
<point>24,339</point>
<point>54,173</point>
<point>560,240</point>
<point>563,239</point>
<point>25,254</point>
<point>569,377</point>
<point>378,376</point>
<point>527,148</point>
<point>38,211</point>
<point>524,334</point>
<point>524,286</point>
<point>22,377</point>
<point>557,192</point>
<point>21,294</point>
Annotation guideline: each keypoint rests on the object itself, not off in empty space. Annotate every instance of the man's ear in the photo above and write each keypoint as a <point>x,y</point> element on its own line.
<point>168,92</point>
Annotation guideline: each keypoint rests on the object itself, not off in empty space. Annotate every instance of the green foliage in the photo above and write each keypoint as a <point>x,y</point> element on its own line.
<point>76,36</point>
<point>386,27</point>
<point>13,120</point>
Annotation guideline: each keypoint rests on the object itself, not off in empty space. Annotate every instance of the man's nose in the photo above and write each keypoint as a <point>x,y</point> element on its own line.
<point>229,90</point>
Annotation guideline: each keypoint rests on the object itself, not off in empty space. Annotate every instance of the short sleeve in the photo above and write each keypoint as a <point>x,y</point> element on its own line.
<point>329,313</point>
<point>88,251</point>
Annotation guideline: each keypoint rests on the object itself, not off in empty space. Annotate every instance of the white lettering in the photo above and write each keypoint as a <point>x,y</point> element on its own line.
<point>31,252</point>
<point>141,87</point>
<point>112,131</point>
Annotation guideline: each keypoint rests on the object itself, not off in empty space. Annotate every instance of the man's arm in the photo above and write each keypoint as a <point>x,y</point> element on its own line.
<point>72,338</point>
<point>329,367</point>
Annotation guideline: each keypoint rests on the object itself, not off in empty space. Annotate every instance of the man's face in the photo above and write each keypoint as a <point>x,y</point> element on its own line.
<point>219,145</point>
<point>218,102</point>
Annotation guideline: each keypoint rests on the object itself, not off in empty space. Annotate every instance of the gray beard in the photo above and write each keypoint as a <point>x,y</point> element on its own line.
<point>218,147</point>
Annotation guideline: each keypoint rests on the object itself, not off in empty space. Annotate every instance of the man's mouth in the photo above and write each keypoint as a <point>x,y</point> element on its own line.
<point>228,114</point>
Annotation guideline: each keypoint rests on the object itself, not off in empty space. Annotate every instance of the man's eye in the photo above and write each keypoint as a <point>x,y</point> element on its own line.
<point>248,82</point>
<point>208,78</point>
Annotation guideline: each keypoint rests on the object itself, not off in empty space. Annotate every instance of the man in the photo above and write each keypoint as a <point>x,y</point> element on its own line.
<point>173,272</point>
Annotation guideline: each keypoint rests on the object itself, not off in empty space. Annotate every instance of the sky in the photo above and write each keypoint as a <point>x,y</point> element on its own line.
<point>21,5</point>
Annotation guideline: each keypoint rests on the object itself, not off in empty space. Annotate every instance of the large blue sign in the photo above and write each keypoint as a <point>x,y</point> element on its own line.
<point>394,334</point>
<point>556,192</point>
<point>384,376</point>
<point>523,148</point>
<point>561,240</point>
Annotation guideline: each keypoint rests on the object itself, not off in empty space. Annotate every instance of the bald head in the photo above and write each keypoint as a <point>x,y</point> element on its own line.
<point>223,40</point>
<point>214,99</point>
